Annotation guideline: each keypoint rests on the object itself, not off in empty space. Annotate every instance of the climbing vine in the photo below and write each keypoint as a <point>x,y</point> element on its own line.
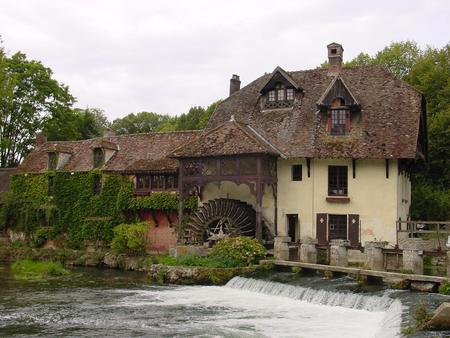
<point>69,204</point>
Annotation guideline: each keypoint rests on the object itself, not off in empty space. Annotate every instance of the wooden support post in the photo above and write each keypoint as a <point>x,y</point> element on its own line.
<point>181,200</point>
<point>387,167</point>
<point>258,230</point>
<point>308,166</point>
<point>354,167</point>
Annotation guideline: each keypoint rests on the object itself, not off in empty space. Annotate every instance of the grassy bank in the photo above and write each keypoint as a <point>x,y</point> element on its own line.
<point>27,269</point>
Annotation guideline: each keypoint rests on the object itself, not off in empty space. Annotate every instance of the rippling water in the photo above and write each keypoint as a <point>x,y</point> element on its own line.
<point>99,303</point>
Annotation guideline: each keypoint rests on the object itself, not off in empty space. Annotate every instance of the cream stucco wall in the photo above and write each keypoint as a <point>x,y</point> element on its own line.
<point>372,196</point>
<point>242,192</point>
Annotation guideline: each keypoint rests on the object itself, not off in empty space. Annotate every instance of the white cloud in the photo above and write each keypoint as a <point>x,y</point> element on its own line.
<point>165,56</point>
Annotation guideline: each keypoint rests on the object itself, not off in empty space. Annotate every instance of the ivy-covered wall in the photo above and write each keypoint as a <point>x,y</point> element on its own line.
<point>72,207</point>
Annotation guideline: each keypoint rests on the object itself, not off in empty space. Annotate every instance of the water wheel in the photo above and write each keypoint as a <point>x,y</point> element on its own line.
<point>220,218</point>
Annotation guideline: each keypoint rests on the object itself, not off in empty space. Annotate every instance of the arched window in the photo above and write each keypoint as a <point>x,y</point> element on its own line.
<point>338,118</point>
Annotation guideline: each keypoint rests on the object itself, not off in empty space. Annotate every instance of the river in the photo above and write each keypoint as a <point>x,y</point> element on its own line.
<point>111,303</point>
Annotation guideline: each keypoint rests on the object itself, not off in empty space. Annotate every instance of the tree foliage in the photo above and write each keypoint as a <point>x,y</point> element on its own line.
<point>143,122</point>
<point>29,97</point>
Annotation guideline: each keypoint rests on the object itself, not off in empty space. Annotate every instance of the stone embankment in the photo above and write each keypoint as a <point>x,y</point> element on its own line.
<point>148,264</point>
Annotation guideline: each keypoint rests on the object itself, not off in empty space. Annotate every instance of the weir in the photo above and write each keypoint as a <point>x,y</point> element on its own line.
<point>392,308</point>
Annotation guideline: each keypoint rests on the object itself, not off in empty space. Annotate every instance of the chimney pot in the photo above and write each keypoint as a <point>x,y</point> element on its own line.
<point>335,55</point>
<point>235,83</point>
<point>41,138</point>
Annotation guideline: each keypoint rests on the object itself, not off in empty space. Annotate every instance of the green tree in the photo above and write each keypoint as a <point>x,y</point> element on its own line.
<point>29,97</point>
<point>143,122</point>
<point>398,58</point>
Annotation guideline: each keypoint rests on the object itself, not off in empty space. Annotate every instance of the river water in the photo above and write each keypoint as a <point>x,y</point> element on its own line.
<point>99,303</point>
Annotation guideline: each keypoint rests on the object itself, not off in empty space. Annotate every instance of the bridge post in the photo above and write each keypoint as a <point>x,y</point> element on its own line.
<point>338,252</point>
<point>307,251</point>
<point>374,255</point>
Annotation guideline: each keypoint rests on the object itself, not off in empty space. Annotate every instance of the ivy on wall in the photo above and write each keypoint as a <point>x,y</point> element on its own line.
<point>74,208</point>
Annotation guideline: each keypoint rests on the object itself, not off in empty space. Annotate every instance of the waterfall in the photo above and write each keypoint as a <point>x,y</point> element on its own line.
<point>392,308</point>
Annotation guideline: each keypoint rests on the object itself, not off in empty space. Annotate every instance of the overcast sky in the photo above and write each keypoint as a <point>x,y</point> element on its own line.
<point>165,56</point>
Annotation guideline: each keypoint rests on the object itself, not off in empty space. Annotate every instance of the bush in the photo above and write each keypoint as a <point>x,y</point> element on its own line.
<point>41,236</point>
<point>240,250</point>
<point>421,315</point>
<point>28,269</point>
<point>130,238</point>
<point>444,288</point>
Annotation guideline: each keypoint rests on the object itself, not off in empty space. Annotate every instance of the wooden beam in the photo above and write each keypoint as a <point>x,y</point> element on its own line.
<point>308,166</point>
<point>387,167</point>
<point>258,232</point>
<point>354,167</point>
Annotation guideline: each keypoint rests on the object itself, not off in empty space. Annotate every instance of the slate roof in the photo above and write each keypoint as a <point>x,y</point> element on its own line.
<point>387,125</point>
<point>136,152</point>
<point>229,138</point>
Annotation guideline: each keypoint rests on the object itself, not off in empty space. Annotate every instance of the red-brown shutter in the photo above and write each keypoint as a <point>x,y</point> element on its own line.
<point>347,121</point>
<point>328,128</point>
<point>321,229</point>
<point>353,230</point>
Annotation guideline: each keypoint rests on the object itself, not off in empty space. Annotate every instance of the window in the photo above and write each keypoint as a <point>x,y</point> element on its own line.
<point>52,161</point>
<point>289,94</point>
<point>99,157</point>
<point>50,185</point>
<point>337,227</point>
<point>171,182</point>
<point>337,180</point>
<point>296,172</point>
<point>339,118</point>
<point>272,96</point>
<point>158,182</point>
<point>280,94</point>
<point>280,97</point>
<point>143,182</point>
<point>97,186</point>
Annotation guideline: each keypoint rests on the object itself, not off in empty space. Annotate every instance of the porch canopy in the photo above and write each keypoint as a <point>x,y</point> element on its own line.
<point>232,152</point>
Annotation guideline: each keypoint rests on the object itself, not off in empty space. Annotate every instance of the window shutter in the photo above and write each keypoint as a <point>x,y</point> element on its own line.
<point>328,127</point>
<point>321,229</point>
<point>347,121</point>
<point>353,230</point>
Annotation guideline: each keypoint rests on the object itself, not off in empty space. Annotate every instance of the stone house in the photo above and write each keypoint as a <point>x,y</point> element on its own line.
<point>323,153</point>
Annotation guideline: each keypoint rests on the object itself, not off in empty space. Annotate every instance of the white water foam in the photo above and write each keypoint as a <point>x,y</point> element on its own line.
<point>255,308</point>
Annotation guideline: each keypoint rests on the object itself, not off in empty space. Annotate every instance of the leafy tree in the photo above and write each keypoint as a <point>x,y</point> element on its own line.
<point>29,97</point>
<point>143,122</point>
<point>398,58</point>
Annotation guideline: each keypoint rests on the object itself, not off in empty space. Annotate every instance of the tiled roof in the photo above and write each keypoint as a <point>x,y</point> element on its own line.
<point>229,138</point>
<point>386,127</point>
<point>136,152</point>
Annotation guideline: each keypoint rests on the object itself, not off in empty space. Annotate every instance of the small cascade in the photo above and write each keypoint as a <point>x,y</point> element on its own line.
<point>322,297</point>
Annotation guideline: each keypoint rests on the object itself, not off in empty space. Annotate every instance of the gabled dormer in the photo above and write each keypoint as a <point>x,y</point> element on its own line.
<point>102,151</point>
<point>57,156</point>
<point>339,106</point>
<point>280,91</point>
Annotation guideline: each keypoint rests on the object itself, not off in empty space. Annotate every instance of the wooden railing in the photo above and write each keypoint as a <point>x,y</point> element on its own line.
<point>429,229</point>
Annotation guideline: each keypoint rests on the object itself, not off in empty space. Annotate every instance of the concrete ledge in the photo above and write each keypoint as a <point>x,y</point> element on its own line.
<point>357,271</point>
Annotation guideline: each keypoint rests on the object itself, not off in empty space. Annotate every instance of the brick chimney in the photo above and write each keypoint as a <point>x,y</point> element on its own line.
<point>41,138</point>
<point>335,54</point>
<point>235,84</point>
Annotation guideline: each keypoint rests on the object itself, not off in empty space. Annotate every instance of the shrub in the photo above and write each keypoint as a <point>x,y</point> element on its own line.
<point>41,235</point>
<point>130,238</point>
<point>421,315</point>
<point>240,250</point>
<point>444,288</point>
<point>28,269</point>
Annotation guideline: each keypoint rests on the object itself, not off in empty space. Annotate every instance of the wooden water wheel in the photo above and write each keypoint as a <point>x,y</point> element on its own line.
<point>219,218</point>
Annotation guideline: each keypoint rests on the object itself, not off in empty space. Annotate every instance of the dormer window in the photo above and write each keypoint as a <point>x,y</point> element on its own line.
<point>99,157</point>
<point>338,118</point>
<point>52,161</point>
<point>279,97</point>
